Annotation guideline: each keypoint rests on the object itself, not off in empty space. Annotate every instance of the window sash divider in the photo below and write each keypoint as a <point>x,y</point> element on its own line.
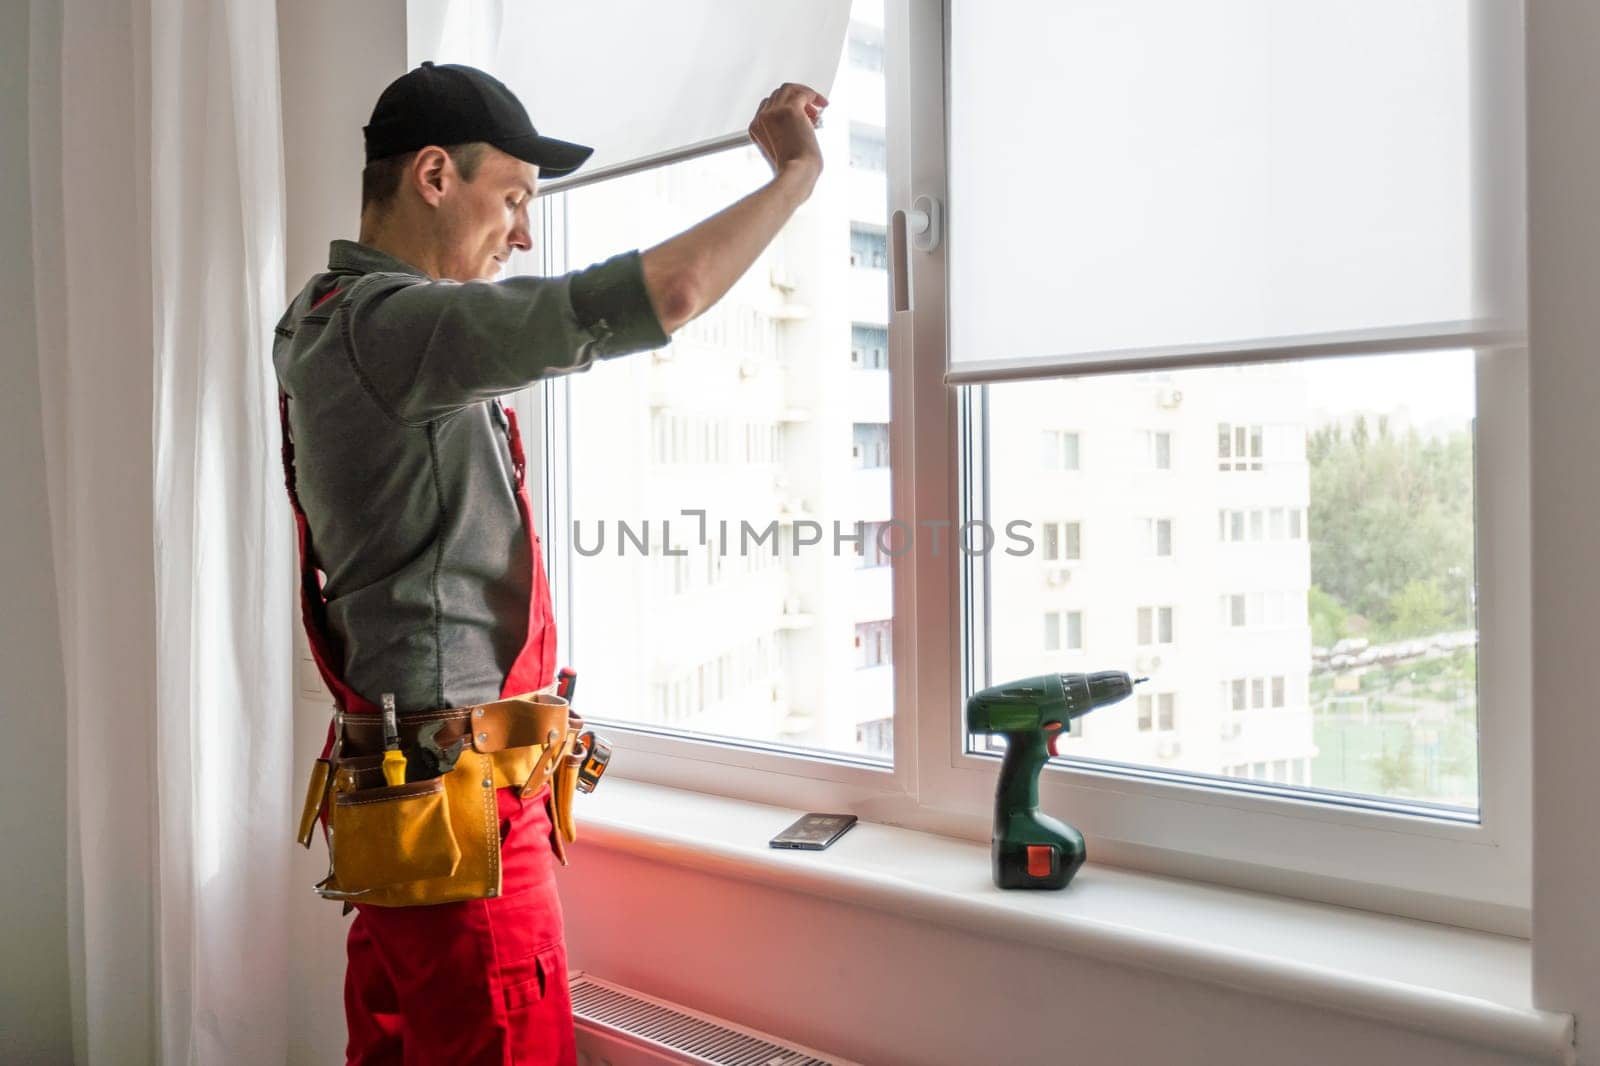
<point>1432,336</point>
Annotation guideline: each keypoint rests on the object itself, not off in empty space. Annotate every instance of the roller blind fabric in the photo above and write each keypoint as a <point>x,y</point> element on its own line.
<point>642,83</point>
<point>1135,178</point>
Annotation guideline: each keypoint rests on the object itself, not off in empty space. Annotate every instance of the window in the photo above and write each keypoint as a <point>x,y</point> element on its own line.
<point>1155,625</point>
<point>1156,712</point>
<point>1293,435</point>
<point>867,150</point>
<point>866,54</point>
<point>871,445</point>
<point>869,347</point>
<point>873,644</point>
<point>1156,448</point>
<point>1156,535</point>
<point>1063,631</point>
<point>1284,350</point>
<point>876,737</point>
<point>1060,449</point>
<point>1238,447</point>
<point>1061,541</point>
<point>868,247</point>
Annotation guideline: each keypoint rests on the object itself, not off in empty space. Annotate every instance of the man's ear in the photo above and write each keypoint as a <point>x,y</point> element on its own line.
<point>431,172</point>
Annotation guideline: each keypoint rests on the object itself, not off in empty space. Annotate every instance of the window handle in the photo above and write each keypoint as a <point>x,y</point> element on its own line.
<point>925,225</point>
<point>899,275</point>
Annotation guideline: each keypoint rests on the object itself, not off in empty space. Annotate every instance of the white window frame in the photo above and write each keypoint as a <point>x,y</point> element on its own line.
<point>1225,830</point>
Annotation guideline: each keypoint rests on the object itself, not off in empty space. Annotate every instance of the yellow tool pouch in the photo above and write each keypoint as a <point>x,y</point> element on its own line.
<point>390,835</point>
<point>435,840</point>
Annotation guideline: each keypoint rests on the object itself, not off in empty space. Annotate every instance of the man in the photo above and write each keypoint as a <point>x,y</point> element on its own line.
<point>406,475</point>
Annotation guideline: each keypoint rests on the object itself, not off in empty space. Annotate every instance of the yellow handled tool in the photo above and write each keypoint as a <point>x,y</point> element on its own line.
<point>394,761</point>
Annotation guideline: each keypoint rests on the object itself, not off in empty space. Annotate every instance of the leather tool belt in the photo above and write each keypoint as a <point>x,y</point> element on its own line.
<point>436,838</point>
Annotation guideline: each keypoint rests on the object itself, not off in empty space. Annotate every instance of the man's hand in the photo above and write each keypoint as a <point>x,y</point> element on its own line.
<point>688,273</point>
<point>785,129</point>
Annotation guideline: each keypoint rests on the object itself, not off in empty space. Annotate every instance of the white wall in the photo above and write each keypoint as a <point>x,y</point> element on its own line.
<point>35,1025</point>
<point>889,991</point>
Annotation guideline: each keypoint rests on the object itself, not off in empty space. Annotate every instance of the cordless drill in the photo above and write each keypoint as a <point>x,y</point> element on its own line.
<point>1034,850</point>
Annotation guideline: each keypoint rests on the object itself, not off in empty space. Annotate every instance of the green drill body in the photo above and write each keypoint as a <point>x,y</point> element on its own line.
<point>1032,849</point>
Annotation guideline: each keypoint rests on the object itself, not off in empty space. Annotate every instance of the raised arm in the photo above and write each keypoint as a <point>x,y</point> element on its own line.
<point>688,273</point>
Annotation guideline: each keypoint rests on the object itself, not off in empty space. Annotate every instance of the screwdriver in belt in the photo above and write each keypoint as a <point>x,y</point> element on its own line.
<point>394,762</point>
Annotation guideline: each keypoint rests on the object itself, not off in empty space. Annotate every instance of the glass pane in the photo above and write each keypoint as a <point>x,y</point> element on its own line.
<point>769,414</point>
<point>1211,172</point>
<point>1353,652</point>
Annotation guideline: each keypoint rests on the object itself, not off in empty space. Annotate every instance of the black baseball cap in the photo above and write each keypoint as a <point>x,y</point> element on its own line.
<point>453,104</point>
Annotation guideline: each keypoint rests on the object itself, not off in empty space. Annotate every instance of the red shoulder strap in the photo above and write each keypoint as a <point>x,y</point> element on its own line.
<point>535,664</point>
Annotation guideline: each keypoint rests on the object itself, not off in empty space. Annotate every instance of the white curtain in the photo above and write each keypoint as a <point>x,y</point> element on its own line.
<point>157,182</point>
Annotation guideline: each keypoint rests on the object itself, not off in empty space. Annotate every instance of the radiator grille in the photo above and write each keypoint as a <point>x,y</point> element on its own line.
<point>693,1038</point>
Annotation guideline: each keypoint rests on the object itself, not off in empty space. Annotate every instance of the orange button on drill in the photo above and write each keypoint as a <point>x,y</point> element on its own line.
<point>1040,858</point>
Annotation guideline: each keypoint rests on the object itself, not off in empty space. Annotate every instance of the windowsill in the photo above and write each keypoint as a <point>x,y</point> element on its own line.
<point>1465,985</point>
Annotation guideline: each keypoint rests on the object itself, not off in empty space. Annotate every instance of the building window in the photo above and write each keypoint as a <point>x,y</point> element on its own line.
<point>1156,535</point>
<point>1060,449</point>
<point>876,737</point>
<point>870,449</point>
<point>867,150</point>
<point>1155,626</point>
<point>1155,448</point>
<point>1061,542</point>
<point>1063,631</point>
<point>869,347</point>
<point>868,247</point>
<point>1264,610</point>
<point>1239,447</point>
<point>865,54</point>
<point>1156,712</point>
<point>1261,524</point>
<point>874,646</point>
<point>876,540</point>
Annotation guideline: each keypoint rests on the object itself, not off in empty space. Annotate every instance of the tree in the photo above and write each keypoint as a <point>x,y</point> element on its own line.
<point>1397,770</point>
<point>1417,610</point>
<point>1389,510</point>
<point>1327,618</point>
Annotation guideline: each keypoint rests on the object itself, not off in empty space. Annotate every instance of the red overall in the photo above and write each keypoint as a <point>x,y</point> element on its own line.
<point>475,982</point>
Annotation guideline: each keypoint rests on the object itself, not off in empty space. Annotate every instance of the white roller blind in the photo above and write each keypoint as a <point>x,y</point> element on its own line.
<point>642,82</point>
<point>1137,179</point>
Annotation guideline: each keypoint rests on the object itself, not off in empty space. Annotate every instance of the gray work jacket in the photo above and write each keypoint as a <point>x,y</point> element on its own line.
<point>401,459</point>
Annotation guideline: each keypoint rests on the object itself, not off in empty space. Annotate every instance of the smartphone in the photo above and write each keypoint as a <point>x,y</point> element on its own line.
<point>814,832</point>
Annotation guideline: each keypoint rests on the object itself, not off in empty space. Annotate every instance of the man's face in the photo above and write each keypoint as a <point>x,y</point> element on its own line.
<point>483,220</point>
